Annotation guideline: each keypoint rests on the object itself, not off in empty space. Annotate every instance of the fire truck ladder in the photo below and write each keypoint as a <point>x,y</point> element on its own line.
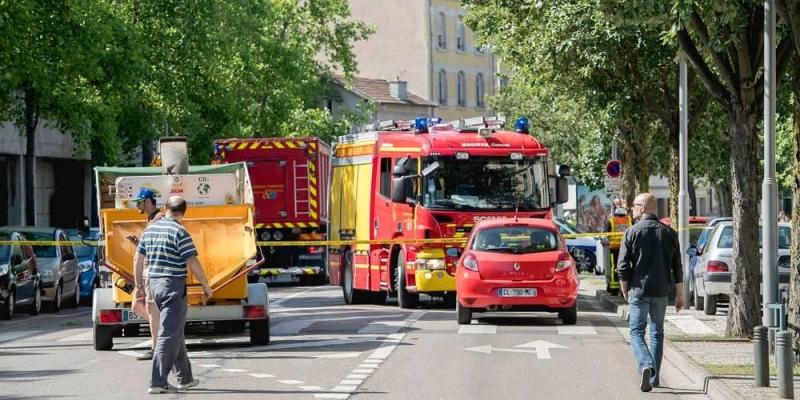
<point>301,175</point>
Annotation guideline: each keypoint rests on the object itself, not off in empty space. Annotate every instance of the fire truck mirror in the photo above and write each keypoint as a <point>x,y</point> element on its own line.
<point>400,167</point>
<point>403,189</point>
<point>562,190</point>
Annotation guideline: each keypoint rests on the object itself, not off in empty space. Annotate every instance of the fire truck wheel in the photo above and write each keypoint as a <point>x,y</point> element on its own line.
<point>259,332</point>
<point>103,337</point>
<point>404,298</point>
<point>351,295</point>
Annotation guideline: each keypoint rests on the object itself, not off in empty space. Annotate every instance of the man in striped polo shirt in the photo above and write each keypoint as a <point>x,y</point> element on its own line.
<point>169,251</point>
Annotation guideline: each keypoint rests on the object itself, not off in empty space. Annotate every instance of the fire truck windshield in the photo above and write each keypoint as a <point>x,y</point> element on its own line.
<point>486,183</point>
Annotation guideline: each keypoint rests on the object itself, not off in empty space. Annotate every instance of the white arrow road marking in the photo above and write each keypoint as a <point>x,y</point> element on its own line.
<point>539,347</point>
<point>542,348</point>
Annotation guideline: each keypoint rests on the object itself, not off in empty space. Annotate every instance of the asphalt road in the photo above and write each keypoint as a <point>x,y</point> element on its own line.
<point>322,348</point>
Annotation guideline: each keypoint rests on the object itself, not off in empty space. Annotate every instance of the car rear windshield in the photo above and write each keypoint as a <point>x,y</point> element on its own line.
<point>42,251</point>
<point>784,237</point>
<point>515,239</point>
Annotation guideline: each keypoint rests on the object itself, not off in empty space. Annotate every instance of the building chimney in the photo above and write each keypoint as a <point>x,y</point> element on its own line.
<point>399,90</point>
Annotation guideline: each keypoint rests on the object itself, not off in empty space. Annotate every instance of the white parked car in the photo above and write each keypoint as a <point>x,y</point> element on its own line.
<point>712,274</point>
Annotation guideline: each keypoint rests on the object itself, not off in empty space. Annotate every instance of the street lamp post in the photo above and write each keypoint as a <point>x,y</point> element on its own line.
<point>769,190</point>
<point>683,194</point>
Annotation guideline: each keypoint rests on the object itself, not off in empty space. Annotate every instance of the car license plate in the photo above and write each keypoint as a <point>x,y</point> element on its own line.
<point>129,315</point>
<point>517,292</point>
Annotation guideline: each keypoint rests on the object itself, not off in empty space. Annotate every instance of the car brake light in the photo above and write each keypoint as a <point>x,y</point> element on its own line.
<point>255,312</point>
<point>110,316</point>
<point>314,250</point>
<point>470,262</point>
<point>564,262</point>
<point>716,266</point>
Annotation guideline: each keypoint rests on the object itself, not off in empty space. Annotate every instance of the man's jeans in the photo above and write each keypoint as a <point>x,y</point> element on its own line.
<point>639,309</point>
<point>169,294</point>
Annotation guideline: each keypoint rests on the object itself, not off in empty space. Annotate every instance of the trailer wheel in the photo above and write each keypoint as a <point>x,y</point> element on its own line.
<point>103,337</point>
<point>351,295</point>
<point>404,298</point>
<point>259,332</point>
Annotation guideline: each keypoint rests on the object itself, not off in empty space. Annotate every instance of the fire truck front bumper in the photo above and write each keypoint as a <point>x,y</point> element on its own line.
<point>436,280</point>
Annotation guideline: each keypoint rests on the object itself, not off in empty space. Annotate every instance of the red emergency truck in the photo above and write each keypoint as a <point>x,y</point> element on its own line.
<point>289,177</point>
<point>404,181</point>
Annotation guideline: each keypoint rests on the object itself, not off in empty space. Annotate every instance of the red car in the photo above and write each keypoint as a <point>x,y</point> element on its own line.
<point>516,265</point>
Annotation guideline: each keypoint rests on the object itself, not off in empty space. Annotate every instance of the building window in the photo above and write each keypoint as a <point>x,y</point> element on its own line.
<point>442,87</point>
<point>442,37</point>
<point>386,177</point>
<point>461,38</point>
<point>462,89</point>
<point>479,91</point>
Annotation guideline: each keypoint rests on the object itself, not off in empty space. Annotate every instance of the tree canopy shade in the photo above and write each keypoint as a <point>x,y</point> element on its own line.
<point>117,74</point>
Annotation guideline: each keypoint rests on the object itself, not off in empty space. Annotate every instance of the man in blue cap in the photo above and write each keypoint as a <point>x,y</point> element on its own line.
<point>146,203</point>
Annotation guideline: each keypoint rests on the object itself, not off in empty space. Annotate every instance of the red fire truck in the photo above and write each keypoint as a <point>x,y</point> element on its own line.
<point>289,177</point>
<point>405,181</point>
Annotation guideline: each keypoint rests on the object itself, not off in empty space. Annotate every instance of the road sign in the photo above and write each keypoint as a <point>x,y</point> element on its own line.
<point>539,347</point>
<point>614,168</point>
<point>612,184</point>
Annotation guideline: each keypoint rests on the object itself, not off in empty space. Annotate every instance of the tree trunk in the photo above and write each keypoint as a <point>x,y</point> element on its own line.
<point>31,121</point>
<point>674,178</point>
<point>628,174</point>
<point>147,152</point>
<point>692,198</point>
<point>745,309</point>
<point>794,270</point>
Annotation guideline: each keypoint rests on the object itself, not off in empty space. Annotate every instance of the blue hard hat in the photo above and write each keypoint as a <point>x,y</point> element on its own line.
<point>144,194</point>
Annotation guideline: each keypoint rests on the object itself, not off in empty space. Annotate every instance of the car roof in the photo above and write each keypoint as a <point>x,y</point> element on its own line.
<point>730,223</point>
<point>501,222</point>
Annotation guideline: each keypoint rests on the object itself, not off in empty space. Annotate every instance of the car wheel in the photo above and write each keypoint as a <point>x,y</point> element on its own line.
<point>710,304</point>
<point>8,310</point>
<point>698,301</point>
<point>103,337</point>
<point>259,332</point>
<point>55,306</point>
<point>76,299</point>
<point>351,295</point>
<point>584,260</point>
<point>570,315</point>
<point>464,314</point>
<point>404,298</point>
<point>36,306</point>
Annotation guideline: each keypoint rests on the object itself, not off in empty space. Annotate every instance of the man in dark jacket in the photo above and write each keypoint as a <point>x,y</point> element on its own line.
<point>649,265</point>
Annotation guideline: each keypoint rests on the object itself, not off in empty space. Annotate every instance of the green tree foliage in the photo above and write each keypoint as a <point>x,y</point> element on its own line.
<point>117,74</point>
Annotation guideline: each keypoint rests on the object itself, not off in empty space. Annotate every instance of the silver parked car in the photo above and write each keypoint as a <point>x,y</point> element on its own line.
<point>58,267</point>
<point>712,273</point>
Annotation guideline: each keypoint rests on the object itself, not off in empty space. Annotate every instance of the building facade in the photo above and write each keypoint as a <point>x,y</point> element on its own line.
<point>426,43</point>
<point>62,178</point>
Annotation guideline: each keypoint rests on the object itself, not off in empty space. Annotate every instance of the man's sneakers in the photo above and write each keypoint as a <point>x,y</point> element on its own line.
<point>187,386</point>
<point>147,355</point>
<point>646,385</point>
<point>173,389</point>
<point>162,390</point>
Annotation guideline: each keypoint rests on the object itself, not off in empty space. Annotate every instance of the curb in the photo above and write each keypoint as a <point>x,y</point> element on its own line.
<point>713,387</point>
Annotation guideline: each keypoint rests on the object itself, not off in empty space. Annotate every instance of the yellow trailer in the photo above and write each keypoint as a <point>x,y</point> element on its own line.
<point>220,221</point>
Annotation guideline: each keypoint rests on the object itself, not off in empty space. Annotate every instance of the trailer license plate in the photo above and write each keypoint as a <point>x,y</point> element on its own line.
<point>130,316</point>
<point>518,292</point>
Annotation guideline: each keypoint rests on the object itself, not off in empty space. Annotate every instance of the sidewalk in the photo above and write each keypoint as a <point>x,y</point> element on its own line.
<point>697,342</point>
